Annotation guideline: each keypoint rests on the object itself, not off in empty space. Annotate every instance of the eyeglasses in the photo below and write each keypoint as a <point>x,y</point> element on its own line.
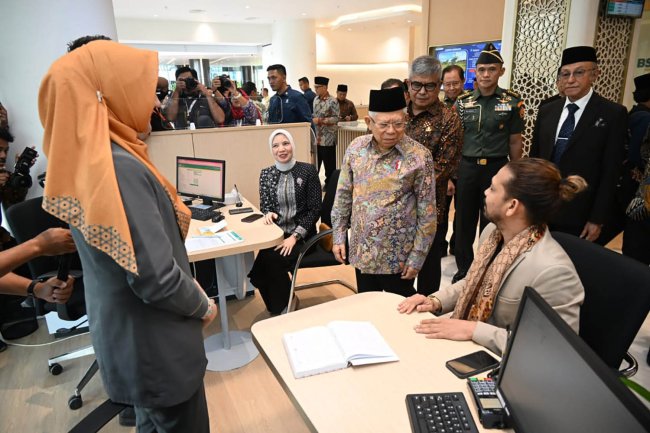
<point>429,87</point>
<point>452,84</point>
<point>383,126</point>
<point>577,74</point>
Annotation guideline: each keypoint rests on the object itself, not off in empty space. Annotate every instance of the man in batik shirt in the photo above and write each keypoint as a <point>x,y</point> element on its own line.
<point>386,195</point>
<point>325,118</point>
<point>439,129</point>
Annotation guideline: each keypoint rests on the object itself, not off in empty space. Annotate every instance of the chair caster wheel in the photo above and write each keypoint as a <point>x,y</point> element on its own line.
<point>75,402</point>
<point>56,369</point>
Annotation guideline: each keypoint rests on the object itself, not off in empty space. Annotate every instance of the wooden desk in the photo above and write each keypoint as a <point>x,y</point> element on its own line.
<point>228,350</point>
<point>370,398</point>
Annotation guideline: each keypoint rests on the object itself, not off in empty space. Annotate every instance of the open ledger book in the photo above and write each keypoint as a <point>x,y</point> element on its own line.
<point>333,347</point>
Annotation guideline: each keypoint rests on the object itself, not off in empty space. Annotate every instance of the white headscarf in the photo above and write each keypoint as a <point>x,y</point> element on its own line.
<point>283,166</point>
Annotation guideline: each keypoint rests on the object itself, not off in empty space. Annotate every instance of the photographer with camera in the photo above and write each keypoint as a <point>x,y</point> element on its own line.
<point>13,185</point>
<point>236,104</point>
<point>192,102</point>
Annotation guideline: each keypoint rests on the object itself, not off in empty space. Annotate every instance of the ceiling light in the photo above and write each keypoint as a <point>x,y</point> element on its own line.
<point>304,14</point>
<point>375,14</point>
<point>247,7</point>
<point>197,11</point>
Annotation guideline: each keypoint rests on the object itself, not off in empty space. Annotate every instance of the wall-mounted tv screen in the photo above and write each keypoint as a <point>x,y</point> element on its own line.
<point>625,8</point>
<point>463,55</point>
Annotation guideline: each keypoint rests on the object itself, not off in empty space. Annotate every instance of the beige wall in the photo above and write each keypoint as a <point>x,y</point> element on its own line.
<point>463,21</point>
<point>245,150</point>
<point>362,58</point>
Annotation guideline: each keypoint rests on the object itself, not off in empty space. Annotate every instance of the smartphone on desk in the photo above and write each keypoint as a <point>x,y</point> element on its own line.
<point>251,218</point>
<point>472,364</point>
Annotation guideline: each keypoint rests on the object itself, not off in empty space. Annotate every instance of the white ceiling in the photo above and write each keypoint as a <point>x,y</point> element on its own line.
<point>259,11</point>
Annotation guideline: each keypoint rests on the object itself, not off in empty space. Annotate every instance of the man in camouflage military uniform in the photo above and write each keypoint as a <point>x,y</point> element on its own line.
<point>493,121</point>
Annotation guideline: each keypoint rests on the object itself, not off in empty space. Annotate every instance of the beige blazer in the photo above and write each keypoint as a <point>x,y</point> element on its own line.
<point>547,269</point>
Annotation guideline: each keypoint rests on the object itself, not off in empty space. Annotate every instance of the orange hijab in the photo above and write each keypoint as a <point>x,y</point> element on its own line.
<point>100,93</point>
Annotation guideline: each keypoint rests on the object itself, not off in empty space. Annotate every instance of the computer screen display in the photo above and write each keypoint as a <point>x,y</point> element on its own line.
<point>625,8</point>
<point>463,55</point>
<point>552,381</point>
<point>197,177</point>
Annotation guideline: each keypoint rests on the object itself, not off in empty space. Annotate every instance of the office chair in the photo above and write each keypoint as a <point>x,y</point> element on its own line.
<point>313,255</point>
<point>27,220</point>
<point>617,299</point>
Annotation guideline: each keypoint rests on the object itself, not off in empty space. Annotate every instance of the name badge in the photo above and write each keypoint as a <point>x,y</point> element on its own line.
<point>472,114</point>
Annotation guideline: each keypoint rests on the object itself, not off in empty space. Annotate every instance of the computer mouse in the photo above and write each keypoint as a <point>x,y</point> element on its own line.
<point>217,218</point>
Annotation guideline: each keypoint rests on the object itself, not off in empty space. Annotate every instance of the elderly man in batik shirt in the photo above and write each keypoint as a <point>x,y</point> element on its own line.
<point>325,118</point>
<point>386,194</point>
<point>438,128</point>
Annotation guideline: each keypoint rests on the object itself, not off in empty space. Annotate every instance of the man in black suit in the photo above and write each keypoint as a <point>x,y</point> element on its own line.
<point>583,134</point>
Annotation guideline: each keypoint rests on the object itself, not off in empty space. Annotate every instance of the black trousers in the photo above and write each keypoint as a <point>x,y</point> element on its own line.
<point>270,274</point>
<point>327,155</point>
<point>189,416</point>
<point>392,283</point>
<point>431,272</point>
<point>636,240</point>
<point>473,180</point>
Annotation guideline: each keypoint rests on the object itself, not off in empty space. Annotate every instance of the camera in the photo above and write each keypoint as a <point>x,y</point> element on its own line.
<point>20,178</point>
<point>225,84</point>
<point>191,83</point>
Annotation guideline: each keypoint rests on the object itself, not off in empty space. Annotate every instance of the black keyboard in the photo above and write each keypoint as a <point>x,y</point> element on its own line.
<point>440,413</point>
<point>202,214</point>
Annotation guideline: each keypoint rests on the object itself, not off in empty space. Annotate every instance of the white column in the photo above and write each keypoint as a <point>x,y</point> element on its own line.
<point>583,17</point>
<point>294,46</point>
<point>508,40</point>
<point>34,33</point>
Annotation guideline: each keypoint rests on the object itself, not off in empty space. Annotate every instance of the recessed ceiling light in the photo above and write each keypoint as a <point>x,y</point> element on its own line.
<point>197,11</point>
<point>247,7</point>
<point>303,14</point>
<point>155,15</point>
<point>409,21</point>
<point>349,29</point>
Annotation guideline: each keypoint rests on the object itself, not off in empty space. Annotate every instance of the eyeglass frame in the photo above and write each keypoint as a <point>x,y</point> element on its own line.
<point>427,86</point>
<point>387,125</point>
<point>577,74</point>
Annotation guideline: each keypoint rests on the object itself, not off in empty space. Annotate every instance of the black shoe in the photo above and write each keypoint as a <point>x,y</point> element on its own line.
<point>127,417</point>
<point>3,346</point>
<point>458,276</point>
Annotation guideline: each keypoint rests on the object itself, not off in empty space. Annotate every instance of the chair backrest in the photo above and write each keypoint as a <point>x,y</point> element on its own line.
<point>328,199</point>
<point>617,296</point>
<point>26,220</point>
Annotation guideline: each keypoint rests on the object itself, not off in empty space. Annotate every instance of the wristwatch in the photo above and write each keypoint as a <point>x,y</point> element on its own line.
<point>30,288</point>
<point>296,235</point>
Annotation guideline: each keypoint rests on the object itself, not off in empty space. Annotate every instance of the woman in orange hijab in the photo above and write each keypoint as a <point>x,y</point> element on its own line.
<point>144,309</point>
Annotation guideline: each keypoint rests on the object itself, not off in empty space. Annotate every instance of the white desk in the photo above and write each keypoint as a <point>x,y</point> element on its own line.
<point>370,398</point>
<point>228,350</point>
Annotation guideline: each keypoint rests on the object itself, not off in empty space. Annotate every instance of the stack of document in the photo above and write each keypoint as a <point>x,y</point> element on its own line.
<point>209,239</point>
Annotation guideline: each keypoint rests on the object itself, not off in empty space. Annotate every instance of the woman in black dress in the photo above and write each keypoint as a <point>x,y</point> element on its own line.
<point>290,196</point>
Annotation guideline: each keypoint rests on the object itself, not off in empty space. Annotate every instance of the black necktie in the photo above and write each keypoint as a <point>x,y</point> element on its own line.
<point>565,133</point>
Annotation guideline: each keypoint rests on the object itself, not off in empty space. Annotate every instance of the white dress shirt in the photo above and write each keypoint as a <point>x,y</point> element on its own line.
<point>581,103</point>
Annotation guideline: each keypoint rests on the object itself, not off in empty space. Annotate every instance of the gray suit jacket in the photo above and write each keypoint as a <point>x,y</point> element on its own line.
<point>146,328</point>
<point>547,269</point>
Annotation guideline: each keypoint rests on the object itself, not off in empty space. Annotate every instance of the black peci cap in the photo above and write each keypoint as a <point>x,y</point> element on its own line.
<point>321,81</point>
<point>578,54</point>
<point>342,88</point>
<point>387,100</point>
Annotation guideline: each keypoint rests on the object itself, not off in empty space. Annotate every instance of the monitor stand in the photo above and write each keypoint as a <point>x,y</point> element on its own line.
<point>207,201</point>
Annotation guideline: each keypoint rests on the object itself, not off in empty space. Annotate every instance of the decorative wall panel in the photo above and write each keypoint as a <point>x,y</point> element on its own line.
<point>613,41</point>
<point>540,36</point>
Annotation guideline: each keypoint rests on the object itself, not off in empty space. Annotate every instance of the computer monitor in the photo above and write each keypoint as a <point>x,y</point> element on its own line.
<point>551,381</point>
<point>463,55</point>
<point>198,177</point>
